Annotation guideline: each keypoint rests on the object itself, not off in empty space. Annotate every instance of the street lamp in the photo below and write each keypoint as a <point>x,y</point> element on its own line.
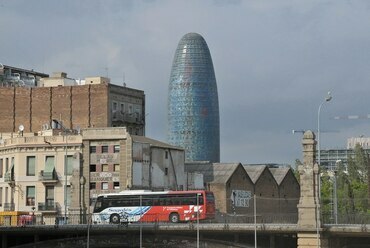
<point>82,199</point>
<point>65,176</point>
<point>327,99</point>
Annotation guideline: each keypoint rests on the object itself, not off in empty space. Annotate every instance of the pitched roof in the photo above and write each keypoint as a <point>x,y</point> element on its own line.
<point>212,172</point>
<point>254,171</point>
<point>153,142</point>
<point>279,173</point>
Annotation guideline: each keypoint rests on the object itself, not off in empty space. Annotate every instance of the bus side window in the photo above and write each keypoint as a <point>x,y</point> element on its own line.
<point>201,202</point>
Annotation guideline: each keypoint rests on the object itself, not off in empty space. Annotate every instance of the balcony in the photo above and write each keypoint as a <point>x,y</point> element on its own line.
<point>50,178</point>
<point>119,116</point>
<point>9,206</point>
<point>9,178</point>
<point>48,206</point>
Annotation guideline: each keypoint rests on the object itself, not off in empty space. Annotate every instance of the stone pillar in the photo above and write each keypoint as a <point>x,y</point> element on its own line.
<point>76,209</point>
<point>309,221</point>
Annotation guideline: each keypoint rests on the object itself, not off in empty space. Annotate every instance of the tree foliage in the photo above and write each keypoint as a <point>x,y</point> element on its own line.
<point>351,184</point>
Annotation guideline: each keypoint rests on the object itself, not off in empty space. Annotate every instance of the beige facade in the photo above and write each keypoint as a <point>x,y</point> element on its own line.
<point>57,79</point>
<point>57,173</point>
<point>114,161</point>
<point>35,171</point>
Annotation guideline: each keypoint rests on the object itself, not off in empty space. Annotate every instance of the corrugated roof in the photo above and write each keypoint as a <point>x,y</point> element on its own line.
<point>279,173</point>
<point>255,171</point>
<point>212,172</point>
<point>153,142</point>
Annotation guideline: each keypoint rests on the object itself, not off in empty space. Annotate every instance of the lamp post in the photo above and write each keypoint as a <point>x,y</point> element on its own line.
<point>65,177</point>
<point>198,194</point>
<point>327,99</point>
<point>255,220</point>
<point>337,163</point>
<point>82,200</point>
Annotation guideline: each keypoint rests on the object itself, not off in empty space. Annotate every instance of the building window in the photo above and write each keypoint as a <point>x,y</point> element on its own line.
<point>92,149</point>
<point>114,106</point>
<point>30,196</point>
<point>93,185</point>
<point>116,167</point>
<point>1,196</point>
<point>104,167</point>
<point>69,164</point>
<point>166,155</point>
<point>92,167</point>
<point>104,149</point>
<point>6,164</point>
<point>104,185</point>
<point>130,109</point>
<point>31,166</point>
<point>165,171</point>
<point>116,185</point>
<point>69,195</point>
<point>49,196</point>
<point>117,148</point>
<point>138,110</point>
<point>122,107</point>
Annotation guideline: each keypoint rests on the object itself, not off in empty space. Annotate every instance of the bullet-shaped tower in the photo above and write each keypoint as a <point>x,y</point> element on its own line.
<point>193,113</point>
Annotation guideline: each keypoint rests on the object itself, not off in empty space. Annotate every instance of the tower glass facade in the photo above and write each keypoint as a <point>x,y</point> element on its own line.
<point>193,112</point>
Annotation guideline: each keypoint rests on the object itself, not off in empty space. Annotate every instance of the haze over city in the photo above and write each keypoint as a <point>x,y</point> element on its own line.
<point>274,61</point>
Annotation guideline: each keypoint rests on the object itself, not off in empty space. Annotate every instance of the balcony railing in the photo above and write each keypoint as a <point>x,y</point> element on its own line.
<point>9,206</point>
<point>48,177</point>
<point>9,177</point>
<point>47,206</point>
<point>127,117</point>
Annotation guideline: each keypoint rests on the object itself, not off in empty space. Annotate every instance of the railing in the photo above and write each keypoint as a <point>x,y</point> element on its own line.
<point>47,206</point>
<point>9,177</point>
<point>127,117</point>
<point>48,176</point>
<point>9,206</point>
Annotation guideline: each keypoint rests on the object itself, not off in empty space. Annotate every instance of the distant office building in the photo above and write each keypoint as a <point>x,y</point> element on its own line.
<point>96,103</point>
<point>330,157</point>
<point>193,111</point>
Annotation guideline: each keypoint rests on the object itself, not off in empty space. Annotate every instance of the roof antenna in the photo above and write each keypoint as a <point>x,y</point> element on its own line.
<point>124,83</point>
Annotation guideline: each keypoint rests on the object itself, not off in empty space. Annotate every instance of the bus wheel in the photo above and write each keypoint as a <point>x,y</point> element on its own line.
<point>174,218</point>
<point>114,219</point>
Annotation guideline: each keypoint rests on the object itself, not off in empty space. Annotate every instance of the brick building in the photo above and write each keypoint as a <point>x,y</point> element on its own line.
<point>96,104</point>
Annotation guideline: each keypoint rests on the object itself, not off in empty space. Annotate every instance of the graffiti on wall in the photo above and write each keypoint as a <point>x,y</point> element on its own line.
<point>241,198</point>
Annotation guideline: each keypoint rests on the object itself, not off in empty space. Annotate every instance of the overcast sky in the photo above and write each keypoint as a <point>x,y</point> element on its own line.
<point>274,61</point>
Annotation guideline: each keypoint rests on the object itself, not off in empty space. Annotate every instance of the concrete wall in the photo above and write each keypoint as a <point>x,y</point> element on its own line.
<point>168,170</point>
<point>141,165</point>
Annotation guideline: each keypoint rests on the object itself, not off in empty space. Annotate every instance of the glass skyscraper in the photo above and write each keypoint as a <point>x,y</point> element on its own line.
<point>193,113</point>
